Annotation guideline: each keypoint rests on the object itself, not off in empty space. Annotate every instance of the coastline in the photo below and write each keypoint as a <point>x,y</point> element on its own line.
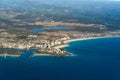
<point>60,46</point>
<point>41,55</point>
<point>8,55</point>
<point>35,55</point>
<point>79,39</point>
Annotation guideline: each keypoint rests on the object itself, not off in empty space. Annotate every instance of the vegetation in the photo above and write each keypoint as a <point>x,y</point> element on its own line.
<point>23,13</point>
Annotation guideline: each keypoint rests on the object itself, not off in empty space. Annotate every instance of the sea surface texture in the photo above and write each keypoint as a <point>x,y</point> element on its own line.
<point>96,59</point>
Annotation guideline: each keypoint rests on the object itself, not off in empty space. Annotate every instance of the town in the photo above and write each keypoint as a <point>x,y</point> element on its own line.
<point>46,42</point>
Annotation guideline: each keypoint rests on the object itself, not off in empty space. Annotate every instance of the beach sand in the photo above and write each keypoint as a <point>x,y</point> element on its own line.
<point>41,55</point>
<point>79,39</point>
<point>61,46</point>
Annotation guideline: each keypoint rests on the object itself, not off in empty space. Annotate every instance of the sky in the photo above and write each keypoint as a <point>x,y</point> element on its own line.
<point>59,1</point>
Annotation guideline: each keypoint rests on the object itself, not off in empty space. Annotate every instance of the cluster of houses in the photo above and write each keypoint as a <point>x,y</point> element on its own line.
<point>44,42</point>
<point>32,41</point>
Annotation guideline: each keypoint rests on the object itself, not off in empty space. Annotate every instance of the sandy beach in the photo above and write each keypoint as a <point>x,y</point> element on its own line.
<point>41,55</point>
<point>79,39</point>
<point>61,46</point>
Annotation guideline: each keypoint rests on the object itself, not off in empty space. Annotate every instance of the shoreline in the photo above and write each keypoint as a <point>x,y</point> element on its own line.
<point>80,39</point>
<point>61,46</point>
<point>35,55</point>
<point>41,55</point>
<point>9,55</point>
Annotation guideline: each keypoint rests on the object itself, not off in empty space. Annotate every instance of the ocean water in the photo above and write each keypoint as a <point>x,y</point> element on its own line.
<point>96,59</point>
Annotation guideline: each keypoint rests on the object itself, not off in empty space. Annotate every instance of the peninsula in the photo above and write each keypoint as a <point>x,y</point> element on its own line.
<point>46,43</point>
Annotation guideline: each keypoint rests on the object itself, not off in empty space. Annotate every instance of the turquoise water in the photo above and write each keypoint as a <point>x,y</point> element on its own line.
<point>97,59</point>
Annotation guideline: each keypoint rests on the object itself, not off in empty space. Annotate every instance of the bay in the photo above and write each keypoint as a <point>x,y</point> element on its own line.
<point>96,59</point>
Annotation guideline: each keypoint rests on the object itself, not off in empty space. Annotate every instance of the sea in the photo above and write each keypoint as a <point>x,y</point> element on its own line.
<point>95,59</point>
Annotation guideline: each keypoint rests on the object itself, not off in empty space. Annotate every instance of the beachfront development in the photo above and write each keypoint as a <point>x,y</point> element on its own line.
<point>46,43</point>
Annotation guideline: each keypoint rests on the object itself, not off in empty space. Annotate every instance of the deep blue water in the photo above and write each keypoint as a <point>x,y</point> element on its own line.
<point>97,59</point>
